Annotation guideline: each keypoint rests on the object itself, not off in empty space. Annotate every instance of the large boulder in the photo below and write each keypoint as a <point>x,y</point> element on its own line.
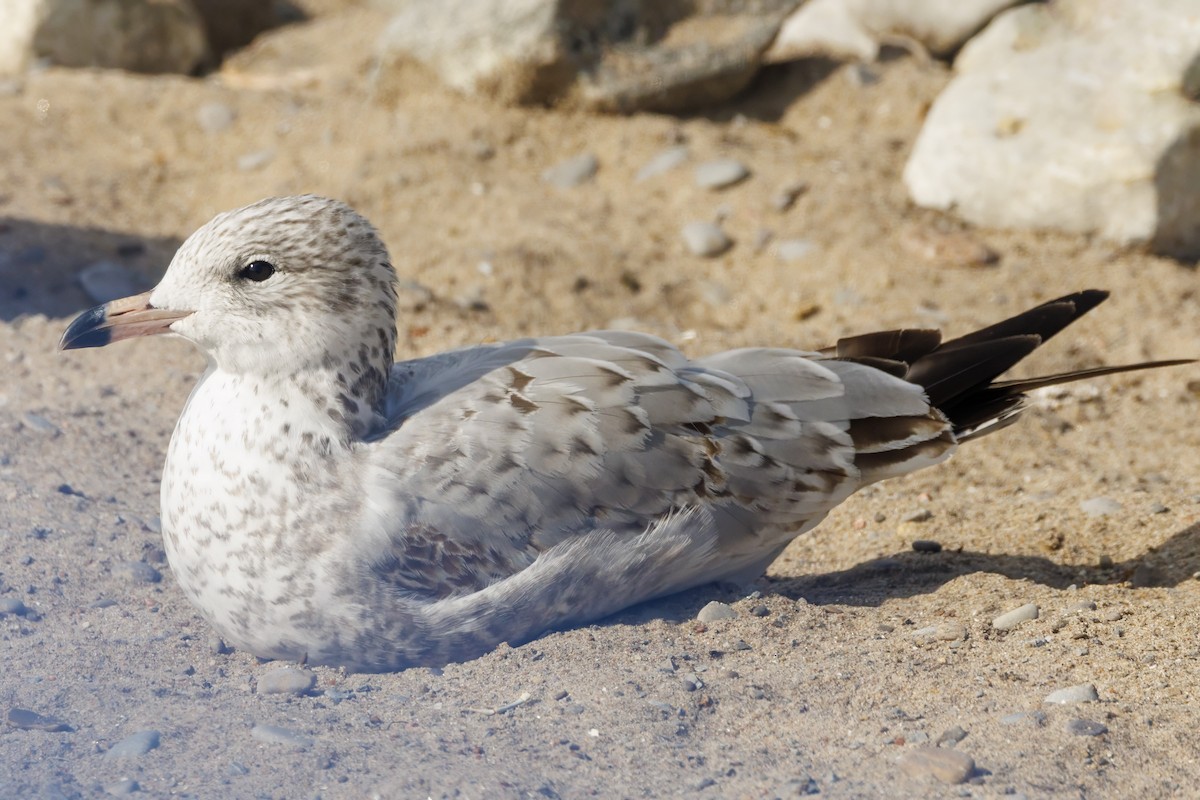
<point>137,35</point>
<point>662,55</point>
<point>1073,115</point>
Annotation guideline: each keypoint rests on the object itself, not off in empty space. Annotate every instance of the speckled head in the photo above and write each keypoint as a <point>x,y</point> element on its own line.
<point>280,286</point>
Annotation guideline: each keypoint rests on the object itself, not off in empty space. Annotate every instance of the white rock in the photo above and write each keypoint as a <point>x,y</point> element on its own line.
<point>1072,116</point>
<point>790,250</point>
<point>160,36</point>
<point>665,161</point>
<point>1083,693</point>
<point>705,239</point>
<point>1011,619</point>
<point>1100,506</point>
<point>572,172</point>
<point>720,173</point>
<point>715,610</point>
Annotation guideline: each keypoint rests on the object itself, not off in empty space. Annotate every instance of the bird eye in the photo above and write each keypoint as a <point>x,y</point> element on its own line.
<point>257,271</point>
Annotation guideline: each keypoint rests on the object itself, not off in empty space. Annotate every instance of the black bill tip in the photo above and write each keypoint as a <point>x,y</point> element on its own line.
<point>87,330</point>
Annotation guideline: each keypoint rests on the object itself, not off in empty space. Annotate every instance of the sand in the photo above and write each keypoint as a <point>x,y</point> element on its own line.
<point>858,650</point>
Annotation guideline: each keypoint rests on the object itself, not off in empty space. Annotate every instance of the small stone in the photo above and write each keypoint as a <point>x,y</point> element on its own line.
<point>789,250</point>
<point>920,515</point>
<point>215,117</point>
<point>721,173</point>
<point>1083,693</point>
<point>665,161</point>
<point>1086,727</point>
<point>715,611</point>
<point>107,280</point>
<point>690,682</point>
<point>41,424</point>
<point>137,744</point>
<point>572,172</point>
<point>11,605</point>
<point>217,646</point>
<point>948,766</point>
<point>1099,506</point>
<point>760,611</point>
<point>705,239</point>
<point>136,572</point>
<point>926,546</point>
<point>273,734</point>
<point>786,197</point>
<point>1037,718</point>
<point>951,736</point>
<point>1011,619</point>
<point>1157,508</point>
<point>1112,615</point>
<point>950,632</point>
<point>26,720</point>
<point>1082,607</point>
<point>286,680</point>
<point>122,788</point>
<point>256,160</point>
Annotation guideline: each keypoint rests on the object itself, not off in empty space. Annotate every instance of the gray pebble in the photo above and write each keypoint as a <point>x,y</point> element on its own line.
<point>26,720</point>
<point>1082,607</point>
<point>665,161</point>
<point>926,546</point>
<point>1112,615</point>
<point>136,572</point>
<point>1083,693</point>
<point>920,515</point>
<point>789,250</point>
<point>716,611</point>
<point>720,174</point>
<point>122,788</point>
<point>1011,619</point>
<point>690,682</point>
<point>154,524</point>
<point>947,766</point>
<point>11,605</point>
<point>107,280</point>
<point>705,239</point>
<point>217,646</point>
<point>760,611</point>
<point>952,736</point>
<point>273,734</point>
<point>1086,727</point>
<point>1099,506</point>
<point>572,172</point>
<point>286,680</point>
<point>137,744</point>
<point>256,160</point>
<point>215,117</point>
<point>1158,508</point>
<point>41,424</point>
<point>1037,718</point>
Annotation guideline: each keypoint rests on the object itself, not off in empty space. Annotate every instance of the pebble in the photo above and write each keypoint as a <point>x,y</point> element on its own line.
<point>1099,506</point>
<point>790,250</point>
<point>572,172</point>
<point>41,424</point>
<point>716,611</point>
<point>215,117</point>
<point>948,766</point>
<point>26,720</point>
<point>122,788</point>
<point>1038,718</point>
<point>1112,615</point>
<point>256,160</point>
<point>721,173</point>
<point>952,736</point>
<point>11,605</point>
<point>926,546</point>
<point>1081,607</point>
<point>920,515</point>
<point>286,680</point>
<point>1011,619</point>
<point>760,611</point>
<point>136,572</point>
<point>786,197</point>
<point>217,646</point>
<point>705,239</point>
<point>1083,693</point>
<point>665,161</point>
<point>1158,508</point>
<point>1086,727</point>
<point>107,280</point>
<point>690,682</point>
<point>137,744</point>
<point>273,734</point>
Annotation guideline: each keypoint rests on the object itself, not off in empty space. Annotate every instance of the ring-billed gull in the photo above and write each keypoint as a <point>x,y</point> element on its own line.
<point>321,502</point>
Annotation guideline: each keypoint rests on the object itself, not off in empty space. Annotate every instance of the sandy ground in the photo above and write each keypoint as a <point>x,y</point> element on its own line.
<point>825,691</point>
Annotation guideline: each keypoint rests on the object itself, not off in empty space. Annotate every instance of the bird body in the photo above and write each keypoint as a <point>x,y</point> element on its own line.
<point>321,502</point>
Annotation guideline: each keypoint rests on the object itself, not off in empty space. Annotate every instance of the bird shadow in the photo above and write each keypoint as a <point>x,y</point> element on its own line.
<point>41,264</point>
<point>908,574</point>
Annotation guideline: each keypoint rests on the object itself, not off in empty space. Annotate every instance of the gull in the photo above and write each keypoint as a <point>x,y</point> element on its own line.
<point>321,503</point>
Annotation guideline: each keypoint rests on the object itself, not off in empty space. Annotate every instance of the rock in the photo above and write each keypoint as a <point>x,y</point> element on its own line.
<point>1083,693</point>
<point>572,172</point>
<point>26,720</point>
<point>163,36</point>
<point>716,611</point>
<point>1086,727</point>
<point>1011,619</point>
<point>134,745</point>
<point>286,680</point>
<point>720,174</point>
<point>256,159</point>
<point>11,605</point>
<point>705,239</point>
<point>122,788</point>
<point>920,515</point>
<point>665,161</point>
<point>787,195</point>
<point>107,280</point>
<point>230,24</point>
<point>1097,91</point>
<point>136,572</point>
<point>855,28</point>
<point>1037,718</point>
<point>617,57</point>
<point>215,117</point>
<point>951,736</point>
<point>948,766</point>
<point>789,250</point>
<point>1099,506</point>
<point>273,734</point>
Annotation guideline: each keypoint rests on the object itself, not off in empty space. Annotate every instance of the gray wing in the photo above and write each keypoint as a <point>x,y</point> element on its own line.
<point>496,456</point>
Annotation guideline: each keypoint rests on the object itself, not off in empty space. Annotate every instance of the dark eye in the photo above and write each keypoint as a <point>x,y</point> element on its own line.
<point>257,271</point>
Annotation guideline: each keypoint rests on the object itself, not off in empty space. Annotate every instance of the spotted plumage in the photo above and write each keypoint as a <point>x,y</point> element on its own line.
<point>320,502</point>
